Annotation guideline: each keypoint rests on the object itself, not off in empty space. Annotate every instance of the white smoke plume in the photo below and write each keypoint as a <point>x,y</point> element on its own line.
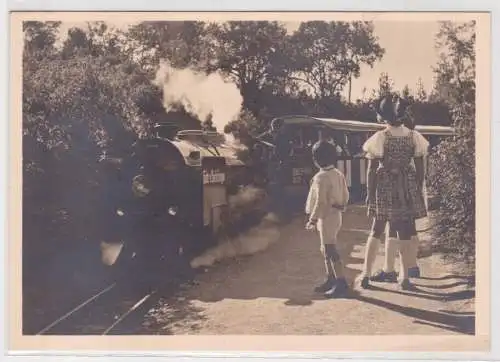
<point>246,197</point>
<point>200,94</point>
<point>257,239</point>
<point>254,241</point>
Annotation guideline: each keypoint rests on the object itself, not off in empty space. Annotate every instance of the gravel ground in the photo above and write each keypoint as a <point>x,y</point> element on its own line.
<point>271,292</point>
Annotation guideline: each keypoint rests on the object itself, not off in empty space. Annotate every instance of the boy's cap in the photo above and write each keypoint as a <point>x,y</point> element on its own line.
<point>324,153</point>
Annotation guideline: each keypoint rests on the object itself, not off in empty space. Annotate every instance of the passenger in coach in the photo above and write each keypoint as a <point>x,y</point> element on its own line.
<point>395,189</point>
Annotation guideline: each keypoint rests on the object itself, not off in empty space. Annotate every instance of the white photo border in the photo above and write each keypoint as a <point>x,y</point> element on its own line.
<point>491,6</point>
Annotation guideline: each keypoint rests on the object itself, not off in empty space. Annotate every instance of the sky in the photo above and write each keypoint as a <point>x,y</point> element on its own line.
<point>409,54</point>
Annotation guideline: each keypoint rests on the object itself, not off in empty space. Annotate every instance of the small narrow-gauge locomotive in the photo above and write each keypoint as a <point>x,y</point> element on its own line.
<point>213,172</point>
<point>180,188</point>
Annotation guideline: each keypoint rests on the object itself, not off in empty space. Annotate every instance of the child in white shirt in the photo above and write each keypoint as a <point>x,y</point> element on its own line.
<point>327,199</point>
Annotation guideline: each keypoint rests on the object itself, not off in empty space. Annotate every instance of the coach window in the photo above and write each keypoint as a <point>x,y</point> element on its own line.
<point>354,143</point>
<point>340,141</point>
<point>311,136</point>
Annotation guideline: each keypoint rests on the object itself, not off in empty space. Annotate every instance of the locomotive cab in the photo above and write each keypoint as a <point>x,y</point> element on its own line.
<point>212,168</point>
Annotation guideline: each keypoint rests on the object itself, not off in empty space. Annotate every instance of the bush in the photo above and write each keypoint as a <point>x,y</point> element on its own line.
<point>76,112</point>
<point>453,179</point>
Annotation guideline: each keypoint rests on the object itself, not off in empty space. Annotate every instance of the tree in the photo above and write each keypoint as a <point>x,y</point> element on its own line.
<point>456,69</point>
<point>77,42</point>
<point>96,39</point>
<point>324,55</point>
<point>406,92</point>
<point>421,93</point>
<point>182,43</point>
<point>245,127</point>
<point>453,163</point>
<point>40,37</point>
<point>385,85</point>
<point>249,53</point>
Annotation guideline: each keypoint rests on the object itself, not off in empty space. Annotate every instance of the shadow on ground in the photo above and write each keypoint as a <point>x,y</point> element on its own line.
<point>290,269</point>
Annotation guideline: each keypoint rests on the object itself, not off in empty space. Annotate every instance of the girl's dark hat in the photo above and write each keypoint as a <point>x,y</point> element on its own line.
<point>390,108</point>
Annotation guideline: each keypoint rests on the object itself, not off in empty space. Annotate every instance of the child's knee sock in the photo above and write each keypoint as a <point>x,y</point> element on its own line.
<point>391,248</point>
<point>405,258</point>
<point>338,268</point>
<point>415,243</point>
<point>333,262</point>
<point>329,269</point>
<point>372,246</point>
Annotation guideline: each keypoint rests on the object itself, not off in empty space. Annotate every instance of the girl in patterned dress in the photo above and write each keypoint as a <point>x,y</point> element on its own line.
<point>388,273</point>
<point>395,185</point>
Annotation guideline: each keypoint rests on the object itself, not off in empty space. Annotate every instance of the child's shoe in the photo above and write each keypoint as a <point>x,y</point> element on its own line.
<point>327,285</point>
<point>364,282</point>
<point>406,285</point>
<point>386,277</point>
<point>339,290</point>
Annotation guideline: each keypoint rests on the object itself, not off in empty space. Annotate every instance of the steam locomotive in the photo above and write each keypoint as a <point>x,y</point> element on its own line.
<point>181,188</point>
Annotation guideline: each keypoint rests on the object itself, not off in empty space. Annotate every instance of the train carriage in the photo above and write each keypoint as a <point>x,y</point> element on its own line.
<point>289,144</point>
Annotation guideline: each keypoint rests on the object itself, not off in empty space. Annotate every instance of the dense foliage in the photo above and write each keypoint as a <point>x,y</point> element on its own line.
<point>453,163</point>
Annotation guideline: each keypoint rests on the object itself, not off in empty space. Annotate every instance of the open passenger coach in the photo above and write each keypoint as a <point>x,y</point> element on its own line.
<point>286,147</point>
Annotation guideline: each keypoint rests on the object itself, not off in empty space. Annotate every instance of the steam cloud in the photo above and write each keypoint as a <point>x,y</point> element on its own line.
<point>200,94</point>
<point>248,197</point>
<point>255,240</point>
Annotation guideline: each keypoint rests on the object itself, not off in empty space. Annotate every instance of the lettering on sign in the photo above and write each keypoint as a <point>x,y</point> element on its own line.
<point>213,176</point>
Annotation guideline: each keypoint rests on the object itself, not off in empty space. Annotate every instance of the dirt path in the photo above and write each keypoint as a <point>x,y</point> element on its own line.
<point>272,293</point>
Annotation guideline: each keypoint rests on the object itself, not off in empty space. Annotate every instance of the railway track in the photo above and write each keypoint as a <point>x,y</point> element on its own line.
<point>103,313</point>
<point>111,309</point>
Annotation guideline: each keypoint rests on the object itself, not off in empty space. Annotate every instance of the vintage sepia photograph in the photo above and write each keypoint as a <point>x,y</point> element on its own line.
<point>248,176</point>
